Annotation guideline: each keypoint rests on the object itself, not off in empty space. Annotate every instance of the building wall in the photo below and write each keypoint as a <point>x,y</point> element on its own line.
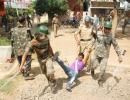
<point>101,7</point>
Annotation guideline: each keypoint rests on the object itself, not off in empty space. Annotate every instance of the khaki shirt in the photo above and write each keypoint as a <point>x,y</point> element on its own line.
<point>55,21</point>
<point>85,32</point>
<point>41,48</point>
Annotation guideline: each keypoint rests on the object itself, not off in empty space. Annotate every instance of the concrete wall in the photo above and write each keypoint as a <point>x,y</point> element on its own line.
<point>5,53</point>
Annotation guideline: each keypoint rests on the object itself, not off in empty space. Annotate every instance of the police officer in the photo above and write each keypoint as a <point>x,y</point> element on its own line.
<point>41,46</point>
<point>55,24</point>
<point>20,35</point>
<point>83,35</point>
<point>103,42</point>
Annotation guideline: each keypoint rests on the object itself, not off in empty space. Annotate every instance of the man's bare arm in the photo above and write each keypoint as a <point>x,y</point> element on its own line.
<point>27,50</point>
<point>77,36</point>
<point>87,54</point>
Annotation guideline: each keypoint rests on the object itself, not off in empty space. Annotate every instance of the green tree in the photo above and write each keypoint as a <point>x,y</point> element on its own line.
<point>51,6</point>
<point>31,7</point>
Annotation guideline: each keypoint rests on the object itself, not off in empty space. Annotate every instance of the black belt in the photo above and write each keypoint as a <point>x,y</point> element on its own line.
<point>85,39</point>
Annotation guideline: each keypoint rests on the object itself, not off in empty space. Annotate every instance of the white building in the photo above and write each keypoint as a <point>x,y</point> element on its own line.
<point>21,4</point>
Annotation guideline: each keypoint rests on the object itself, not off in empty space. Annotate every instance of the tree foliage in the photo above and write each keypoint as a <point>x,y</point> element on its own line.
<point>51,6</point>
<point>31,8</point>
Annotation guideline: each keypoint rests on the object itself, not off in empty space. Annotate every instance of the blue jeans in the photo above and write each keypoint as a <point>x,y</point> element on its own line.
<point>27,71</point>
<point>69,72</point>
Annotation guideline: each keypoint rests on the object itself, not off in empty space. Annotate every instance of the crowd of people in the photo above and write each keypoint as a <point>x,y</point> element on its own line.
<point>93,47</point>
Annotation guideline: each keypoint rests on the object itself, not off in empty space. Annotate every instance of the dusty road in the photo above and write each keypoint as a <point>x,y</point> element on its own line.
<point>86,87</point>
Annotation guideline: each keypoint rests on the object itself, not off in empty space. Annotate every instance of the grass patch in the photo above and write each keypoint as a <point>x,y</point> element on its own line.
<point>8,88</point>
<point>12,85</point>
<point>4,41</point>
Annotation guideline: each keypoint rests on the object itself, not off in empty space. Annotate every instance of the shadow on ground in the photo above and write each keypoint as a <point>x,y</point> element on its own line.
<point>35,71</point>
<point>105,78</point>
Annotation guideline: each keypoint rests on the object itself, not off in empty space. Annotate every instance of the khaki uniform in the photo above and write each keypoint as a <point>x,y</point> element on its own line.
<point>44,56</point>
<point>102,49</point>
<point>85,36</point>
<point>55,23</point>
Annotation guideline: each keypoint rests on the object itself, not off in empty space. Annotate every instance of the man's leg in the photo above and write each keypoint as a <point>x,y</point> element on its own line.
<point>71,80</point>
<point>55,30</point>
<point>42,65</point>
<point>103,65</point>
<point>50,73</point>
<point>64,67</point>
<point>19,58</point>
<point>28,66</point>
<point>95,64</point>
<point>30,23</point>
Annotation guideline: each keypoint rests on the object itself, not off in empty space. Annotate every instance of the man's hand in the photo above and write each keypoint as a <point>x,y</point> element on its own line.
<point>120,59</point>
<point>22,68</point>
<point>10,60</point>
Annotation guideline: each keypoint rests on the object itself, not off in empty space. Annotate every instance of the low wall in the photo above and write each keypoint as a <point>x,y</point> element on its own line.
<point>5,53</point>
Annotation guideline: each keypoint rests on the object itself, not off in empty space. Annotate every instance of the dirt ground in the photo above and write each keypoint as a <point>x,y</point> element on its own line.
<point>85,88</point>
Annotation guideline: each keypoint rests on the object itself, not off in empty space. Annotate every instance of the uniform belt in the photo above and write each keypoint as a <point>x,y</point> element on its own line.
<point>84,39</point>
<point>44,55</point>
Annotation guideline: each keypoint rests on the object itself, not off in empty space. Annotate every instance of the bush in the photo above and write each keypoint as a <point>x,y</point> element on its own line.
<point>4,41</point>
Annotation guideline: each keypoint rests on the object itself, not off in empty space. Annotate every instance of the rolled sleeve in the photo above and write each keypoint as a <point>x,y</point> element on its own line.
<point>28,47</point>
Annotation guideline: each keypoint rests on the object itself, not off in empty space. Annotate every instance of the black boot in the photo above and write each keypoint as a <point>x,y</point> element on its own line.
<point>68,87</point>
<point>100,83</point>
<point>100,80</point>
<point>52,82</point>
<point>92,73</point>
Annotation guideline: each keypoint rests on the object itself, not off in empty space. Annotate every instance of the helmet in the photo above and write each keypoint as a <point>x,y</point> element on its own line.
<point>21,19</point>
<point>41,29</point>
<point>108,24</point>
<point>87,19</point>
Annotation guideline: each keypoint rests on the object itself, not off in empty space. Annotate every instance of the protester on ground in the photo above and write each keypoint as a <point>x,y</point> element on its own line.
<point>73,69</point>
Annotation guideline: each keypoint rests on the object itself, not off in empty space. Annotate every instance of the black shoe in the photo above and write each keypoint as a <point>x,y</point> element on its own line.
<point>68,88</point>
<point>93,73</point>
<point>100,83</point>
<point>52,85</point>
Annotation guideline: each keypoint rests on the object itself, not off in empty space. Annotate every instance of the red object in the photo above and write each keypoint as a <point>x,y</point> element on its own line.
<point>2,8</point>
<point>74,6</point>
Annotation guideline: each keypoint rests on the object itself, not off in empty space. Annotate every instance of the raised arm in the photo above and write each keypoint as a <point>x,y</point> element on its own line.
<point>77,36</point>
<point>86,55</point>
